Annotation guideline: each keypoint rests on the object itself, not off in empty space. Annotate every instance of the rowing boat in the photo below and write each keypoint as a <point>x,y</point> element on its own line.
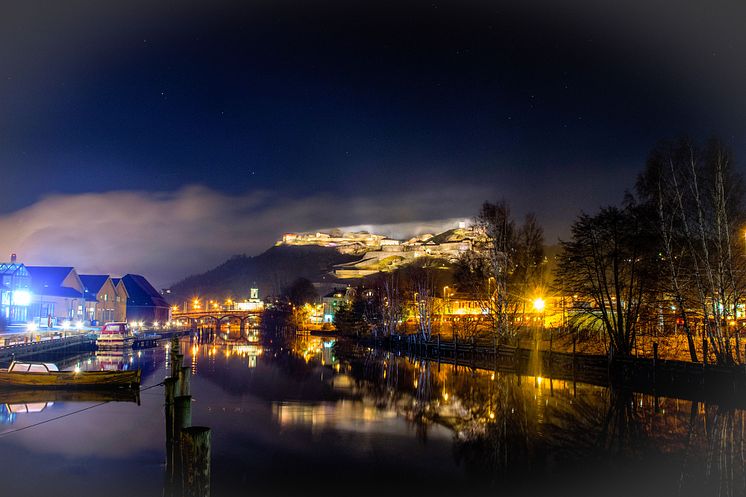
<point>46,375</point>
<point>38,395</point>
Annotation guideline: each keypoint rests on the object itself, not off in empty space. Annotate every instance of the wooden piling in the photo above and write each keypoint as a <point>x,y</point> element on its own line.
<point>182,412</point>
<point>169,386</point>
<point>196,454</point>
<point>176,364</point>
<point>185,374</point>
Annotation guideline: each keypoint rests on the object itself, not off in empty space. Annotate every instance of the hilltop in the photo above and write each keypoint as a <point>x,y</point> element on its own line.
<point>270,271</point>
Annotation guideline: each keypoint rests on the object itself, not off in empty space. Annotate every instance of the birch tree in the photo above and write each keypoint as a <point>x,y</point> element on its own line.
<point>698,197</point>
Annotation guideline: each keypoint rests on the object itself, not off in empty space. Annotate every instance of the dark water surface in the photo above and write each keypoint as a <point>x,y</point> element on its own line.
<point>307,418</point>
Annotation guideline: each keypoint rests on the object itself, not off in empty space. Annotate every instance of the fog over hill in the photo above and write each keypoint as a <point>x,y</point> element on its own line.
<point>270,271</point>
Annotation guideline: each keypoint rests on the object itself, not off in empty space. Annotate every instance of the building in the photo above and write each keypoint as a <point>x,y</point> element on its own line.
<point>57,295</point>
<point>15,292</point>
<point>334,300</point>
<point>254,304</point>
<point>144,303</point>
<point>121,301</point>
<point>102,299</point>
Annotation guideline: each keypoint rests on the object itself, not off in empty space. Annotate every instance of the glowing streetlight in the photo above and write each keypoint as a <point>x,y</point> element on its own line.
<point>539,304</point>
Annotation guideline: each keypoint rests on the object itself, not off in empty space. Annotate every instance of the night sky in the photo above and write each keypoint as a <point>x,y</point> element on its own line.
<point>181,133</point>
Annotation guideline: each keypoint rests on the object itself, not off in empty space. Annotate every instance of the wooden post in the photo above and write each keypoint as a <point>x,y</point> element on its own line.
<point>169,386</point>
<point>574,340</point>
<point>182,412</point>
<point>655,361</point>
<point>704,351</point>
<point>185,374</point>
<point>195,454</point>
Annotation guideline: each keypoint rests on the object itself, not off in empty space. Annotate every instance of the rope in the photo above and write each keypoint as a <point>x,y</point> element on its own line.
<point>5,433</point>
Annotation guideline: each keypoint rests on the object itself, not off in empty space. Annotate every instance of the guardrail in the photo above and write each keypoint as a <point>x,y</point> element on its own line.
<point>22,349</point>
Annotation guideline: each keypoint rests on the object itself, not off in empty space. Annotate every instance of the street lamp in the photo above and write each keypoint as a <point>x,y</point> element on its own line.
<point>539,304</point>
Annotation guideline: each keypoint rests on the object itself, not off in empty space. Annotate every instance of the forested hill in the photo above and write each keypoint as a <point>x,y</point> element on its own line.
<point>271,271</point>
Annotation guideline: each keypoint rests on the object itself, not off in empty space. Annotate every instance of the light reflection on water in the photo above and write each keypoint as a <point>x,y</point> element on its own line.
<point>282,414</point>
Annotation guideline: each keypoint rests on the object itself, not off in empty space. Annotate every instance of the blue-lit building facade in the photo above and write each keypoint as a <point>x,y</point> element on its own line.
<point>15,293</point>
<point>57,297</point>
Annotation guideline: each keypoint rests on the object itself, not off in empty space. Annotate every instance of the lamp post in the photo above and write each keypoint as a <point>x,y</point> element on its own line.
<point>539,306</point>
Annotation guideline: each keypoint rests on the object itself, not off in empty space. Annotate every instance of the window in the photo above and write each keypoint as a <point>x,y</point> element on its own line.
<point>106,297</point>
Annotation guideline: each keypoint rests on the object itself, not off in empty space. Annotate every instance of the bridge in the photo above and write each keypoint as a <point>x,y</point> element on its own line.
<point>218,316</point>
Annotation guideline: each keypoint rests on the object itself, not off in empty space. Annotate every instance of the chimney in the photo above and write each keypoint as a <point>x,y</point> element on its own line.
<point>13,258</point>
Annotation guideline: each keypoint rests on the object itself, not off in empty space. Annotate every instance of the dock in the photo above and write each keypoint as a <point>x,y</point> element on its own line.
<point>19,350</point>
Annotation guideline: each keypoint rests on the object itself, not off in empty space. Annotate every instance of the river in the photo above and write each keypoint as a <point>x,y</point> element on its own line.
<point>315,417</point>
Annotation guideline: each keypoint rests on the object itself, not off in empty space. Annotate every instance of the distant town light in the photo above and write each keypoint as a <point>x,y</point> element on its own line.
<point>31,326</point>
<point>66,324</point>
<point>79,325</point>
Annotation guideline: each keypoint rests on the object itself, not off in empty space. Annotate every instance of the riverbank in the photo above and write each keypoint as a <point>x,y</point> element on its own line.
<point>654,376</point>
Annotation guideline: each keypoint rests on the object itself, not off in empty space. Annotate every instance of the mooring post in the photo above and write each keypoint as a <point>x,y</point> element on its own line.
<point>176,365</point>
<point>195,456</point>
<point>185,374</point>
<point>169,386</point>
<point>182,412</point>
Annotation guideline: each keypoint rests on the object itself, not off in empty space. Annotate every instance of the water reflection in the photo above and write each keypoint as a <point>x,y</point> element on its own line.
<point>283,412</point>
<point>525,432</point>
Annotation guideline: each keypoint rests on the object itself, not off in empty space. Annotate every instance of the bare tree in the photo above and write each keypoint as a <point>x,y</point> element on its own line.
<point>660,188</point>
<point>699,200</point>
<point>609,261</point>
<point>508,272</point>
<point>425,301</point>
<point>496,221</point>
<point>390,303</point>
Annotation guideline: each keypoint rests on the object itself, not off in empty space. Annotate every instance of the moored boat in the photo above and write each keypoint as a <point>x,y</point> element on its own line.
<point>47,375</point>
<point>37,395</point>
<point>115,336</point>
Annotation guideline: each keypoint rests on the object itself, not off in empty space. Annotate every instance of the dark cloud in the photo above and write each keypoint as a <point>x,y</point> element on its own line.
<point>167,236</point>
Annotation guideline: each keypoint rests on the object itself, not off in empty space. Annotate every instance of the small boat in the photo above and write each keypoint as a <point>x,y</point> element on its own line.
<point>47,375</point>
<point>36,395</point>
<point>115,336</point>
